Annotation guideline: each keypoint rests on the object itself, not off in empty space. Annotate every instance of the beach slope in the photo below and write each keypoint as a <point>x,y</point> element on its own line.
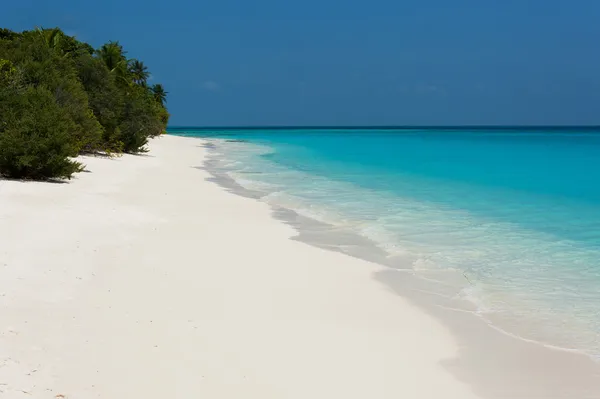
<point>142,279</point>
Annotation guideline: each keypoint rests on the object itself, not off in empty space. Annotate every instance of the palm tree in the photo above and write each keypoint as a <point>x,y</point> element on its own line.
<point>159,93</point>
<point>139,72</point>
<point>51,37</point>
<point>56,40</point>
<point>112,54</point>
<point>114,57</point>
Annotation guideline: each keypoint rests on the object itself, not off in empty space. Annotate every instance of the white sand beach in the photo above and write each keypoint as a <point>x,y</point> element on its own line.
<point>141,279</point>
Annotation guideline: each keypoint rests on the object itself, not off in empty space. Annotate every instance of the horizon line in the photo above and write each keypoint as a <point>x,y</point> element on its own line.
<point>387,127</point>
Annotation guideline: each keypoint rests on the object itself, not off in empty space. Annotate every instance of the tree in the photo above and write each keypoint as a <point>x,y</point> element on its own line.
<point>139,72</point>
<point>160,95</point>
<point>141,119</point>
<point>114,57</point>
<point>34,136</point>
<point>112,54</point>
<point>44,58</point>
<point>8,74</point>
<point>59,98</point>
<point>7,34</point>
<point>51,37</point>
<point>105,99</point>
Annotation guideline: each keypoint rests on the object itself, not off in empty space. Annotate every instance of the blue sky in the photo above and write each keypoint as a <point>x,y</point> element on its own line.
<point>330,62</point>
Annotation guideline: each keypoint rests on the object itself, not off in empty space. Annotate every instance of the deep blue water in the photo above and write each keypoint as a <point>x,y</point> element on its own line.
<point>517,210</point>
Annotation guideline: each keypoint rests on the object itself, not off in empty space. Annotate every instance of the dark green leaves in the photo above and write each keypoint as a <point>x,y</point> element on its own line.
<point>59,98</point>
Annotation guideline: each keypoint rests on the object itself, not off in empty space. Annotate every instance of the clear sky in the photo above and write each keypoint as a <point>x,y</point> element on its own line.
<point>349,62</point>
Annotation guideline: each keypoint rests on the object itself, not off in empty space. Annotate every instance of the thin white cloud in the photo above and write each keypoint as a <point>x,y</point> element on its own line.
<point>430,89</point>
<point>211,85</point>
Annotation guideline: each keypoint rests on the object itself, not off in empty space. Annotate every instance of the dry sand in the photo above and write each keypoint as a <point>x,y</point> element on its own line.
<point>141,279</point>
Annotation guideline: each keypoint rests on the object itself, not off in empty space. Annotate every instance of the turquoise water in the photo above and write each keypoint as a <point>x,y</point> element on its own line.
<point>517,211</point>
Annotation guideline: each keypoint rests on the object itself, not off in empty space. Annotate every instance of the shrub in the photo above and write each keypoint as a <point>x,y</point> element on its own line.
<point>35,140</point>
<point>105,99</point>
<point>47,66</point>
<point>60,98</point>
<point>140,120</point>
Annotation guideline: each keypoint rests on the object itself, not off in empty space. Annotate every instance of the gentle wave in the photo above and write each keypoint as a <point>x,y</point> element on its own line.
<point>529,282</point>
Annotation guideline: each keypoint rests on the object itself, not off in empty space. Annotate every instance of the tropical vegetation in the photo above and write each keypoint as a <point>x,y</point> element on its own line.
<point>60,97</point>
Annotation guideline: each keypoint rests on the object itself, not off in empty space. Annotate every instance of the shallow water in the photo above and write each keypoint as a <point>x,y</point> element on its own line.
<point>516,211</point>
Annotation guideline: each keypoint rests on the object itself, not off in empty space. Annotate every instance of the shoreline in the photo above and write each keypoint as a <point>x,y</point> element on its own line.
<point>584,370</point>
<point>337,238</point>
<point>144,278</point>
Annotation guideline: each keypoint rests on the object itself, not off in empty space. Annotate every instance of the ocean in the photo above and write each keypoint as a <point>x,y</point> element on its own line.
<point>515,211</point>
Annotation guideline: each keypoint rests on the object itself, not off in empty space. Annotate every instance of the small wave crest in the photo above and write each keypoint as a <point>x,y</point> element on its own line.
<point>521,280</point>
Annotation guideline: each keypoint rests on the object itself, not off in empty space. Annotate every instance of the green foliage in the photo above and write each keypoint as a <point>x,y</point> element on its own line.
<point>114,57</point>
<point>43,65</point>
<point>6,69</point>
<point>138,72</point>
<point>35,140</point>
<point>140,121</point>
<point>61,96</point>
<point>8,74</point>
<point>7,34</point>
<point>160,95</point>
<point>104,97</point>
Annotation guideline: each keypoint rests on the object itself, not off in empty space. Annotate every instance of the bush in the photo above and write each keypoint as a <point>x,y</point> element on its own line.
<point>105,99</point>
<point>35,140</point>
<point>60,98</point>
<point>140,120</point>
<point>43,65</point>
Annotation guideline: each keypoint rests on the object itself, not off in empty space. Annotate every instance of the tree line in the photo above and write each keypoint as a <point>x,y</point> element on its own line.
<point>60,97</point>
